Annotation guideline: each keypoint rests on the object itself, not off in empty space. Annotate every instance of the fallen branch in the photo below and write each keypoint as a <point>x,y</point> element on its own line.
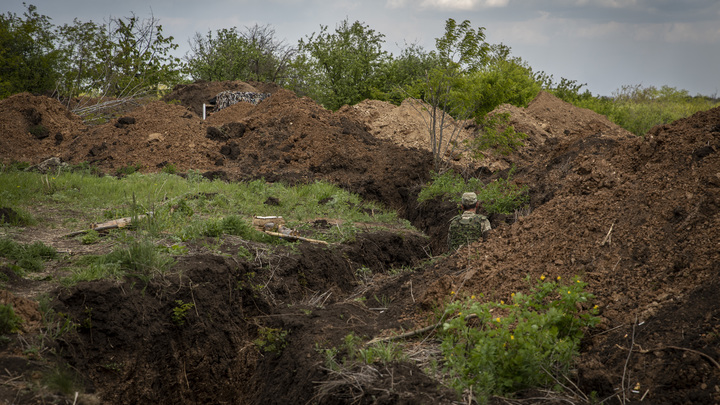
<point>114,224</point>
<point>413,332</point>
<point>608,237</point>
<point>645,351</point>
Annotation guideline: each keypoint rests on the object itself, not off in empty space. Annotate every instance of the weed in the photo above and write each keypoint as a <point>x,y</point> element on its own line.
<point>244,253</point>
<point>86,323</point>
<point>128,170</point>
<point>63,380</point>
<point>271,340</point>
<point>90,237</point>
<point>27,256</point>
<point>169,169</point>
<point>16,217</point>
<point>9,321</point>
<point>195,176</point>
<point>385,352</point>
<point>395,271</point>
<point>384,301</point>
<point>140,259</point>
<point>364,274</point>
<point>516,345</point>
<point>329,355</point>
<point>55,324</point>
<point>180,311</point>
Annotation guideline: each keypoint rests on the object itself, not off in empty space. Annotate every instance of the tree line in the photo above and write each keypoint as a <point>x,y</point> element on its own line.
<point>128,57</point>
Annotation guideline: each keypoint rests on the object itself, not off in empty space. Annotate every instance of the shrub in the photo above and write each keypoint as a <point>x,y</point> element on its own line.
<point>271,339</point>
<point>9,321</point>
<point>496,135</point>
<point>498,348</point>
<point>503,196</point>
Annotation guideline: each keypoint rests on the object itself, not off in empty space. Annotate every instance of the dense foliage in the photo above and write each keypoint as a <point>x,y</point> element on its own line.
<point>29,60</point>
<point>496,348</point>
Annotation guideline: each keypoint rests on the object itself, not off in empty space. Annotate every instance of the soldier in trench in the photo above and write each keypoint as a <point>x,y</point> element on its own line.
<point>469,226</point>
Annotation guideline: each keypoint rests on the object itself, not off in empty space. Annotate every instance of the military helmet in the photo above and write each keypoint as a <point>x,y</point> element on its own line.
<point>469,199</point>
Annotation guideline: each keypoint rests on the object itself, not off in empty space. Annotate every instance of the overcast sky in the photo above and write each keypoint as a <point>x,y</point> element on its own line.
<point>604,43</point>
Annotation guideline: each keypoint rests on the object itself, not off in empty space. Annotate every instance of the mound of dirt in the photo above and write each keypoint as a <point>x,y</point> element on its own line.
<point>35,128</point>
<point>636,218</point>
<point>408,125</point>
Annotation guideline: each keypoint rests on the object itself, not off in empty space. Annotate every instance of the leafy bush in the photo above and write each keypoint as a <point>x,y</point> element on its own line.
<point>503,196</point>
<point>271,340</point>
<point>447,184</point>
<point>497,348</point>
<point>496,135</point>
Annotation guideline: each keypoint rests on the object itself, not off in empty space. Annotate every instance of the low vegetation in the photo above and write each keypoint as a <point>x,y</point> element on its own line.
<point>530,341</point>
<point>501,196</point>
<point>167,212</point>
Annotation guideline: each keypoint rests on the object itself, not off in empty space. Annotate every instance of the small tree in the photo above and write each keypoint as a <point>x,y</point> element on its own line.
<point>345,61</point>
<point>28,58</point>
<point>460,50</point>
<point>115,63</point>
<point>254,54</point>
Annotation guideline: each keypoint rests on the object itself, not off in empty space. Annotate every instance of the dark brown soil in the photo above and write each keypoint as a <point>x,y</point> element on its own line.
<point>636,218</point>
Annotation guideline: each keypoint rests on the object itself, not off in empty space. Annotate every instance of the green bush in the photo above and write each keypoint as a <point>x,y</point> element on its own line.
<point>502,196</point>
<point>496,135</point>
<point>527,342</point>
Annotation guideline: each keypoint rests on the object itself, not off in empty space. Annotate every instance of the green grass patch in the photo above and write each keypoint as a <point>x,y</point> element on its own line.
<point>137,259</point>
<point>31,256</point>
<point>501,196</point>
<point>192,207</point>
<point>638,108</point>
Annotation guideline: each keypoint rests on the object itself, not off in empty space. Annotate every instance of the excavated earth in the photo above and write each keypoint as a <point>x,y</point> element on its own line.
<point>636,217</point>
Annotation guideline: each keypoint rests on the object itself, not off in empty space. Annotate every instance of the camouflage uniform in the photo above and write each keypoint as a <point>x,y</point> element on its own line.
<point>466,228</point>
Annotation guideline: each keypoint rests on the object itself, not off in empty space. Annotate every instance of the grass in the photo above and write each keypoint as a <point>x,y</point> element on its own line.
<point>501,196</point>
<point>29,257</point>
<point>166,207</point>
<point>638,108</point>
